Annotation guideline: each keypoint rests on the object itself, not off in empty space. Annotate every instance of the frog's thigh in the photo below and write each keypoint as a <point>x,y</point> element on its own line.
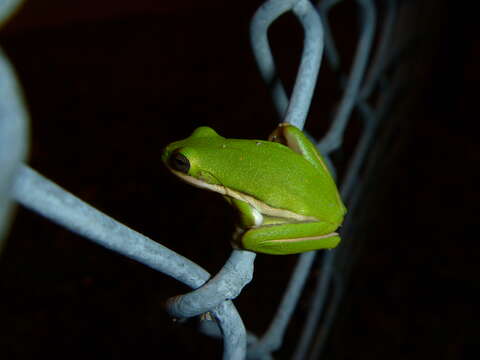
<point>290,238</point>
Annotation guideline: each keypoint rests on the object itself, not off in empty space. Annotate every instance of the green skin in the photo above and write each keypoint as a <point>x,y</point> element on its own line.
<point>286,198</point>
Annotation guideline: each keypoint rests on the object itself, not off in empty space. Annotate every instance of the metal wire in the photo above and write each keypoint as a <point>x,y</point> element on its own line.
<point>333,139</point>
<point>51,201</point>
<point>13,138</point>
<point>295,109</point>
<point>7,8</point>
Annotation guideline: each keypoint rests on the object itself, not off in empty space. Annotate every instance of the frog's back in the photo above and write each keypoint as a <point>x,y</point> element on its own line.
<point>275,175</point>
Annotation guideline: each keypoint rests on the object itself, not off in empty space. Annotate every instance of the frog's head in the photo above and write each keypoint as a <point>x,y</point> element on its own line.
<point>188,159</point>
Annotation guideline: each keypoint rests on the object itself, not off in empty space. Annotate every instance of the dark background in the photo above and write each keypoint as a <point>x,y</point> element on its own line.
<point>109,83</point>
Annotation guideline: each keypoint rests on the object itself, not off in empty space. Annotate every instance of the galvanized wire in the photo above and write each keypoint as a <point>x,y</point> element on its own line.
<point>13,139</point>
<point>334,136</point>
<point>39,194</point>
<point>7,8</point>
<point>295,109</point>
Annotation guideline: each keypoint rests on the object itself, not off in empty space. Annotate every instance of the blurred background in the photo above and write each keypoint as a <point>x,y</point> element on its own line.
<point>109,83</point>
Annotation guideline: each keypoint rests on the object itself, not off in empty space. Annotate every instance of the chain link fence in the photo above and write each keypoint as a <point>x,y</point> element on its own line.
<point>369,86</point>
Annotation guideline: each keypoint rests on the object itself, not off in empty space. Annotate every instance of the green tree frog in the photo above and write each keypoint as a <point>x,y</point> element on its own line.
<point>286,199</point>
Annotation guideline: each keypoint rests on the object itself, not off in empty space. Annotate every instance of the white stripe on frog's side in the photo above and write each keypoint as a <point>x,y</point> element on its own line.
<point>301,239</point>
<point>260,207</point>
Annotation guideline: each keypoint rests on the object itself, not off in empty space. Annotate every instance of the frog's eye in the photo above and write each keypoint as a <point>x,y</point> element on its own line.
<point>179,162</point>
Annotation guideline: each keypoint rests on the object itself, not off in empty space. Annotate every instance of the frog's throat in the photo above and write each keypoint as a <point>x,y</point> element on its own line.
<point>255,203</point>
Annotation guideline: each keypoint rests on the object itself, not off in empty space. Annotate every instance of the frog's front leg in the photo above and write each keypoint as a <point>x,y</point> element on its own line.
<point>278,236</point>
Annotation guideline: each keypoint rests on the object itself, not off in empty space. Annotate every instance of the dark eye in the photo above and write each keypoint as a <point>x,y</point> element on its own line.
<point>179,162</point>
